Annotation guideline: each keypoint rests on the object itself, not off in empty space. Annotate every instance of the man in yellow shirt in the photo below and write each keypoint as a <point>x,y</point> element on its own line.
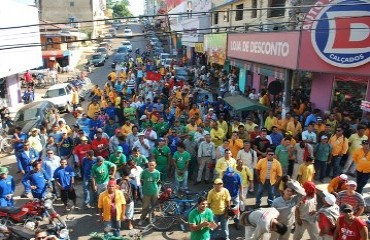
<point>112,201</point>
<point>306,171</point>
<point>362,159</point>
<point>217,134</point>
<point>270,121</point>
<point>219,201</point>
<point>112,76</point>
<point>269,173</point>
<point>338,184</point>
<point>224,163</point>
<point>294,126</point>
<point>354,142</point>
<point>126,128</point>
<point>75,99</point>
<point>339,144</point>
<point>93,108</point>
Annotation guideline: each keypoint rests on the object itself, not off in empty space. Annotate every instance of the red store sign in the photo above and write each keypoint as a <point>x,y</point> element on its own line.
<point>277,49</point>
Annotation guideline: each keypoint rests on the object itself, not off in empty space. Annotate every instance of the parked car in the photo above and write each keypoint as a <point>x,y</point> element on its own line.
<point>127,32</point>
<point>127,44</point>
<point>32,115</point>
<point>118,58</point>
<point>61,95</point>
<point>104,51</point>
<point>97,59</point>
<point>123,50</point>
<point>112,31</point>
<point>106,44</point>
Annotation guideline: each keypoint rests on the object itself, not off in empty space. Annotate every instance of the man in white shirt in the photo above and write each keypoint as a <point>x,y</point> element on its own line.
<point>143,145</point>
<point>247,155</point>
<point>260,223</point>
<point>151,135</point>
<point>309,136</point>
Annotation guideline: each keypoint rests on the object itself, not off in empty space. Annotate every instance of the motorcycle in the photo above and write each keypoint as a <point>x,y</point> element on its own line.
<point>31,211</point>
<point>28,231</point>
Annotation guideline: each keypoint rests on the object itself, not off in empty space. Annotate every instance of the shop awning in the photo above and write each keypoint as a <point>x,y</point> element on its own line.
<point>55,53</point>
<point>240,103</point>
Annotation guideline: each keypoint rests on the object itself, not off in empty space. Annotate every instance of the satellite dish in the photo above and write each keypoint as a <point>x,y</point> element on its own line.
<point>275,87</point>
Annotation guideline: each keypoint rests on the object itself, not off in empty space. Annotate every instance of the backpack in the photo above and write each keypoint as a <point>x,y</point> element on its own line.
<point>126,190</point>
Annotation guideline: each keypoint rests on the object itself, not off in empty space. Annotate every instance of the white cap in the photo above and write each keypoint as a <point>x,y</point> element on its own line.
<point>143,117</point>
<point>343,177</point>
<point>329,198</point>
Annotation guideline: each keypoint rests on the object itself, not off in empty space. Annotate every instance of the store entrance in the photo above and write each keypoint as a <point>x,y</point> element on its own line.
<point>347,94</point>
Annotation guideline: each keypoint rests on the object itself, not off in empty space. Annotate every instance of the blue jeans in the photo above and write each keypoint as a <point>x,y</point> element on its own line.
<point>321,167</point>
<point>181,185</point>
<point>270,190</point>
<point>88,191</point>
<point>362,179</point>
<point>335,162</point>
<point>224,227</point>
<point>116,225</point>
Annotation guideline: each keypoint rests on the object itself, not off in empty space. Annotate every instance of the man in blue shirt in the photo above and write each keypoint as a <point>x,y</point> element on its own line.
<point>66,147</point>
<point>110,127</point>
<point>110,111</point>
<point>276,136</point>
<point>36,181</point>
<point>233,183</point>
<point>19,138</point>
<point>312,118</point>
<point>26,157</point>
<point>94,124</point>
<point>87,164</point>
<point>7,187</point>
<point>64,179</point>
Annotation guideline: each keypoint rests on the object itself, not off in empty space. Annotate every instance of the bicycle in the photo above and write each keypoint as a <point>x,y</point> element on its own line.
<point>176,209</point>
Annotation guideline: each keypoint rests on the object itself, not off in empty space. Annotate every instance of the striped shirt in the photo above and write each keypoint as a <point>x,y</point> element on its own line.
<point>356,200</point>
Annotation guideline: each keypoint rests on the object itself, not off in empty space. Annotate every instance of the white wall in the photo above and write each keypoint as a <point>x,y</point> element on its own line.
<point>15,60</point>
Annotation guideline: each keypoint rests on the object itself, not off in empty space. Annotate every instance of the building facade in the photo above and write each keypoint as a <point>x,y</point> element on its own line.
<point>73,11</point>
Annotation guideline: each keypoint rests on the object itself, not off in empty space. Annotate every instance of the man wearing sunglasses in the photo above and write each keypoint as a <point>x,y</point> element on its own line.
<point>43,235</point>
<point>269,173</point>
<point>349,226</point>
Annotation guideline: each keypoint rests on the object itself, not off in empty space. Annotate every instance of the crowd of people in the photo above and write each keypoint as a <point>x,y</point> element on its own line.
<point>136,133</point>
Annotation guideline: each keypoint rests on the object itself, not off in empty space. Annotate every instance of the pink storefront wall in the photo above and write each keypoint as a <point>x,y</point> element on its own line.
<point>321,90</point>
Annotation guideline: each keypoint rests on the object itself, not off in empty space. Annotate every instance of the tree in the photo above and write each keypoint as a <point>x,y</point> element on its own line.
<point>120,8</point>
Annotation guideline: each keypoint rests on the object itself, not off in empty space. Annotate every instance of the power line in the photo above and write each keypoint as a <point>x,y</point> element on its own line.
<point>186,13</point>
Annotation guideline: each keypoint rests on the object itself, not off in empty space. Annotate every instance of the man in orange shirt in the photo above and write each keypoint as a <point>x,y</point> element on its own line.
<point>194,109</point>
<point>235,144</point>
<point>269,173</point>
<point>339,144</point>
<point>338,184</point>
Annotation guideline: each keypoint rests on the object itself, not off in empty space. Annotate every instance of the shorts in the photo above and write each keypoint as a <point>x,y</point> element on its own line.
<point>67,194</point>
<point>130,210</point>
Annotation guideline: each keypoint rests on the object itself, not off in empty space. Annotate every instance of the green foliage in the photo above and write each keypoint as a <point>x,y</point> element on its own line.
<point>120,8</point>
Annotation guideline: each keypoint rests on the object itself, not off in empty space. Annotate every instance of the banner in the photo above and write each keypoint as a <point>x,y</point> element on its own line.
<point>199,47</point>
<point>215,47</point>
<point>153,76</point>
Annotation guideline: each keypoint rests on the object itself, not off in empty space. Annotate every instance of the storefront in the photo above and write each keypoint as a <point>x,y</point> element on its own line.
<point>262,61</point>
<point>200,58</point>
<point>54,58</point>
<point>337,54</point>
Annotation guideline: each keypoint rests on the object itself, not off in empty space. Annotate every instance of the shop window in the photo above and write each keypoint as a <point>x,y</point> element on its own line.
<point>71,4</point>
<point>254,9</point>
<point>347,95</point>
<point>239,12</point>
<point>276,11</point>
<point>215,18</point>
<point>227,15</point>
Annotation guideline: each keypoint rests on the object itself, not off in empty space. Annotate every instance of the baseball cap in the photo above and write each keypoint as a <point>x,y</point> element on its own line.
<point>112,183</point>
<point>346,208</point>
<point>119,149</point>
<point>99,159</point>
<point>324,137</point>
<point>319,119</point>
<point>351,182</point>
<point>34,129</point>
<point>329,198</point>
<point>141,134</point>
<point>229,171</point>
<point>218,181</point>
<point>211,109</point>
<point>143,117</point>
<point>343,177</point>
<point>161,140</point>
<point>84,138</point>
<point>3,170</point>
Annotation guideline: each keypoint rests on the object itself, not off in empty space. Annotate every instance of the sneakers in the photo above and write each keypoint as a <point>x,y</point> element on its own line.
<point>141,223</point>
<point>74,207</point>
<point>87,206</point>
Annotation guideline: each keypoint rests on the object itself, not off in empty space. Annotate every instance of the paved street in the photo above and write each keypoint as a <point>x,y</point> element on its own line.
<point>83,222</point>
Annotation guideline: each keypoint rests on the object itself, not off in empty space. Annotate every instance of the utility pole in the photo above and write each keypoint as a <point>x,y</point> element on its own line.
<point>170,33</point>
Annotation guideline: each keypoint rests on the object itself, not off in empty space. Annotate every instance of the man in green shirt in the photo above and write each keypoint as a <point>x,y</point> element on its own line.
<point>119,159</point>
<point>201,221</point>
<point>162,156</point>
<point>149,181</point>
<point>161,127</point>
<point>181,160</point>
<point>129,112</point>
<point>139,159</point>
<point>100,174</point>
<point>282,152</point>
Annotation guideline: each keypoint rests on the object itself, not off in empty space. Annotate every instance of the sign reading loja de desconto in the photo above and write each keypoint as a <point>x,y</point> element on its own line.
<point>277,49</point>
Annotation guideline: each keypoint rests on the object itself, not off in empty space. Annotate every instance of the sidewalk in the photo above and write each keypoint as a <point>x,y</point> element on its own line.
<point>62,77</point>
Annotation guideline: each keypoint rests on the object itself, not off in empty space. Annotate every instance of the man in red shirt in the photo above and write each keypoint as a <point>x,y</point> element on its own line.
<point>100,145</point>
<point>81,150</point>
<point>350,227</point>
